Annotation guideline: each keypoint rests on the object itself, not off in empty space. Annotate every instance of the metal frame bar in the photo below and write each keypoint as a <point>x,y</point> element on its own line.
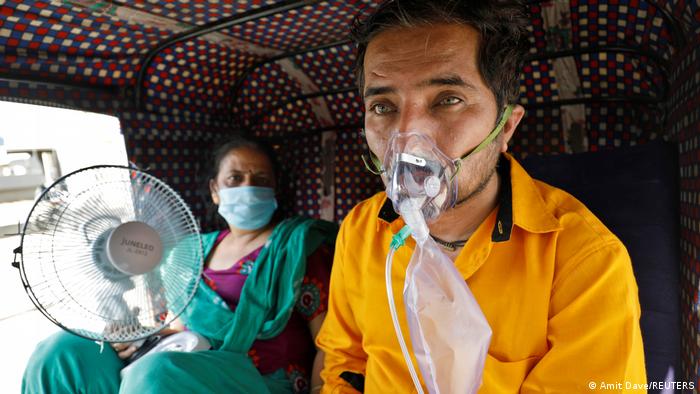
<point>589,100</point>
<point>209,28</point>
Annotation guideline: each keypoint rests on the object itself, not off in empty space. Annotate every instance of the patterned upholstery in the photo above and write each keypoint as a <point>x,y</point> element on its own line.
<point>685,129</point>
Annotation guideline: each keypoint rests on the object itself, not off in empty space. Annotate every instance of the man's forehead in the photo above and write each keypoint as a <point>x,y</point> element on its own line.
<point>421,53</point>
<point>438,40</point>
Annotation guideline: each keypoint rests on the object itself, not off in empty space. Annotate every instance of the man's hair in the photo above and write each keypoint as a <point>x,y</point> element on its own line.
<point>502,27</point>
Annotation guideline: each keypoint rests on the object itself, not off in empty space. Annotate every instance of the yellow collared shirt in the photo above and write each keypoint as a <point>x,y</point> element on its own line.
<point>555,285</point>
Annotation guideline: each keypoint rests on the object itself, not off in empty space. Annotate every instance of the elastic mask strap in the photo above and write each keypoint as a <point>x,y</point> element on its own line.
<point>374,165</point>
<point>504,118</point>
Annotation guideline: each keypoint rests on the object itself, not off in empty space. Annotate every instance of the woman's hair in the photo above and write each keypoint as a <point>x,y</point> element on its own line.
<point>502,27</point>
<point>211,171</point>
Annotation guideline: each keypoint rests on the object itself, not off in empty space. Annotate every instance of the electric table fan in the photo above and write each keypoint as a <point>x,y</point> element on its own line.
<point>110,253</point>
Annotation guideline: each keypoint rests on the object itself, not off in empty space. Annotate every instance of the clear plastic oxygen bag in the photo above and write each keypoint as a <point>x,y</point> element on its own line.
<point>448,330</point>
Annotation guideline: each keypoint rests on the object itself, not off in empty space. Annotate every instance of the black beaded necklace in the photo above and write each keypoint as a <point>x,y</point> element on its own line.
<point>451,246</point>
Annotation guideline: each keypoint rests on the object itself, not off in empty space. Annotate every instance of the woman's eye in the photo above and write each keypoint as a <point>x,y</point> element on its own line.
<point>236,178</point>
<point>380,109</point>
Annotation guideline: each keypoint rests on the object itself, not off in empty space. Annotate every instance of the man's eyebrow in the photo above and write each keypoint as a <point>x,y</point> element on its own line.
<point>450,80</point>
<point>446,80</point>
<point>374,91</point>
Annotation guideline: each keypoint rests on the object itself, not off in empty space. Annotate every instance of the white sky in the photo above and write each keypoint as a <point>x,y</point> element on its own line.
<point>80,138</point>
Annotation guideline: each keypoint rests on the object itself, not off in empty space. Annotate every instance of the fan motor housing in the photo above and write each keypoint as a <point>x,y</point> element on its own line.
<point>134,248</point>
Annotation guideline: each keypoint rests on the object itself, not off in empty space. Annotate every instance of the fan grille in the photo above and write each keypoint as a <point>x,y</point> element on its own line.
<point>64,264</point>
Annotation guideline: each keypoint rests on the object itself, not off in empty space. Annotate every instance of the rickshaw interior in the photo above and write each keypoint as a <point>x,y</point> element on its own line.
<point>611,91</point>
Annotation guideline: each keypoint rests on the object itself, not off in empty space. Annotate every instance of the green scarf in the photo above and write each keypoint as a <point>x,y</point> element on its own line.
<point>268,295</point>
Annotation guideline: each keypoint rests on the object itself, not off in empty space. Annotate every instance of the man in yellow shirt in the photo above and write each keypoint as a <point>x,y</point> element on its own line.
<point>555,286</point>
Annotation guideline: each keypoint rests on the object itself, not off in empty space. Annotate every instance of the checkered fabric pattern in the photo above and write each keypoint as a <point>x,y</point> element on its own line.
<point>194,76</point>
<point>195,12</point>
<point>685,128</point>
<point>632,23</point>
<point>263,90</point>
<point>537,84</point>
<point>615,125</point>
<point>619,74</point>
<point>331,68</point>
<point>40,93</point>
<point>540,132</point>
<point>173,149</point>
<point>346,108</point>
<point>308,26</point>
<point>538,40</point>
<point>687,12</point>
<point>301,167</point>
<point>294,117</point>
<point>65,40</point>
<point>353,182</point>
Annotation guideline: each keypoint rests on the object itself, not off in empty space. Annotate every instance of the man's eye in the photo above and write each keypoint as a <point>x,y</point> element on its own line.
<point>450,101</point>
<point>236,178</point>
<point>380,109</point>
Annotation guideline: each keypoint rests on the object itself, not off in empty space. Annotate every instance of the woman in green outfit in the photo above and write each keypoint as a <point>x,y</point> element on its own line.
<point>260,303</point>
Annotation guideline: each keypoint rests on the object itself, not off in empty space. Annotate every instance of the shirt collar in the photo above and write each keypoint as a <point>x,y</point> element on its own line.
<point>530,212</point>
<point>527,209</point>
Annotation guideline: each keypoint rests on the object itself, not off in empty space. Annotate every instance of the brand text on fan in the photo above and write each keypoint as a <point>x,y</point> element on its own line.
<point>137,244</point>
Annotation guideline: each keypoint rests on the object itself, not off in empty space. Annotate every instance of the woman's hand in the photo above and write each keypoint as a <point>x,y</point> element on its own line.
<point>126,349</point>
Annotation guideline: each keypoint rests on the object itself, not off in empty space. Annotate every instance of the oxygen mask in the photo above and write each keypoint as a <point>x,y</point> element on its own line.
<point>419,176</point>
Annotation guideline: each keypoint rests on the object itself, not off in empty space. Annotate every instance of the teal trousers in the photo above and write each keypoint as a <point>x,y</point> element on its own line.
<point>65,363</point>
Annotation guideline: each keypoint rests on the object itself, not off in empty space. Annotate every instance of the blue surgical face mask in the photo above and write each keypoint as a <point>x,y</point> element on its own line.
<point>247,207</point>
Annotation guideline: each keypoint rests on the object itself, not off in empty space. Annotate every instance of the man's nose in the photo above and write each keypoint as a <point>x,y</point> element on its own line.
<point>416,117</point>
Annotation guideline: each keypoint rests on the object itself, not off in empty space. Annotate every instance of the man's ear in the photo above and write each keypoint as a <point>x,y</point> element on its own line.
<point>511,125</point>
<point>214,192</point>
